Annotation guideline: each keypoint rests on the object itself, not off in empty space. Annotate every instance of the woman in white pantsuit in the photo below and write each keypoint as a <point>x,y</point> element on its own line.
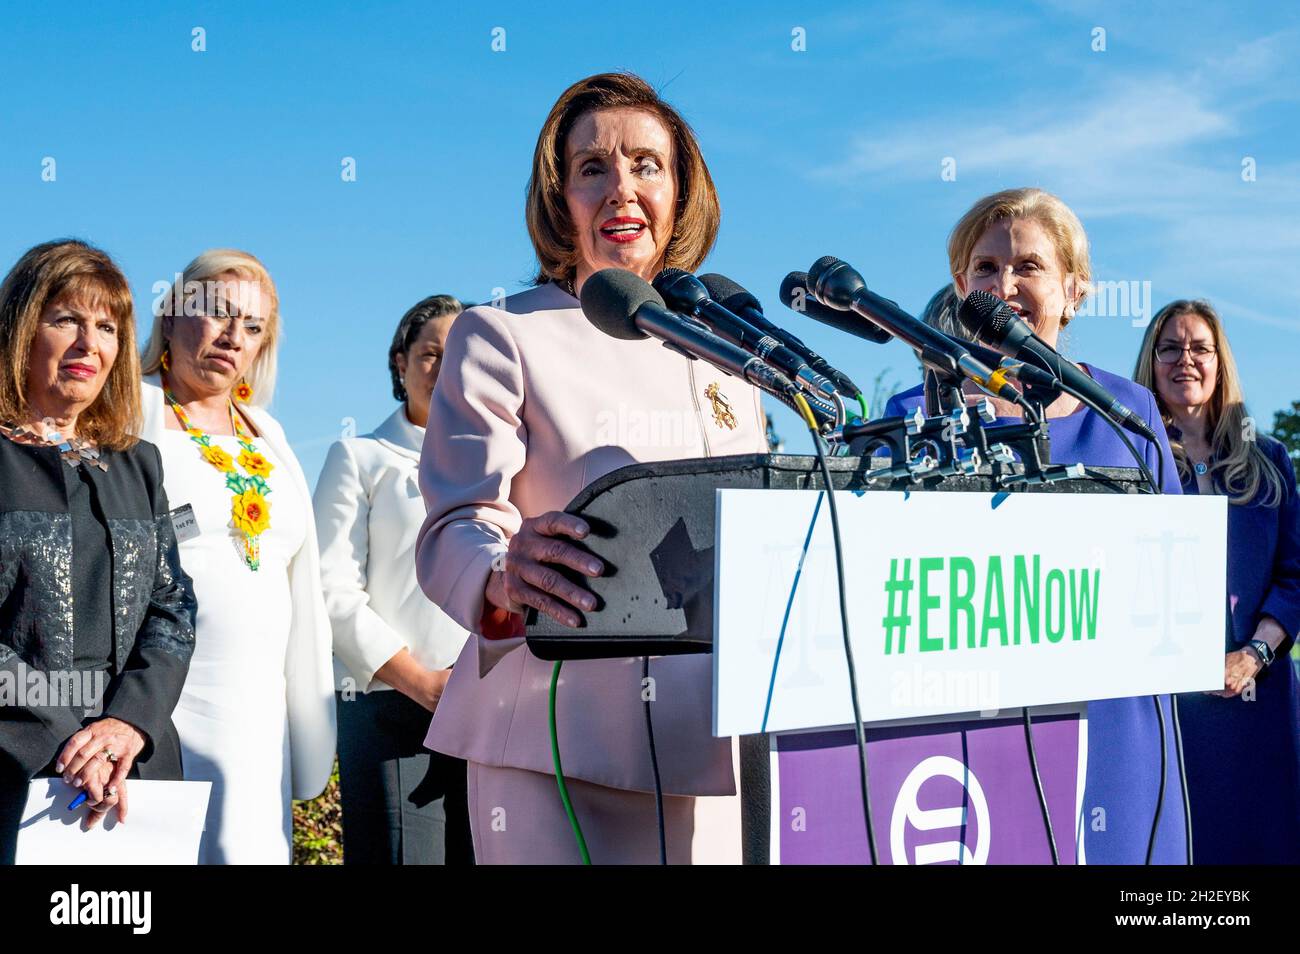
<point>402,804</point>
<point>533,403</point>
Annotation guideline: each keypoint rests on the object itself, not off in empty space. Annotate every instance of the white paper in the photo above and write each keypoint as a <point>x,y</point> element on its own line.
<point>165,821</point>
<point>1159,616</point>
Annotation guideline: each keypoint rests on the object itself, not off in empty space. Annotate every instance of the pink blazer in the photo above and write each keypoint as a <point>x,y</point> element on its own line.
<point>532,404</point>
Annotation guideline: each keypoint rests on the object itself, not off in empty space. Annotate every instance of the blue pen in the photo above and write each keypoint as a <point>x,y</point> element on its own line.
<point>77,802</point>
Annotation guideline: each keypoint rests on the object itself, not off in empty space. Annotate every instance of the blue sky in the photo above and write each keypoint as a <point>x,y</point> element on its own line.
<point>836,149</point>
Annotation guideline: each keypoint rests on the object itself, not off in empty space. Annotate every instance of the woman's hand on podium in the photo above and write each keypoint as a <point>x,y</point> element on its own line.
<point>529,576</point>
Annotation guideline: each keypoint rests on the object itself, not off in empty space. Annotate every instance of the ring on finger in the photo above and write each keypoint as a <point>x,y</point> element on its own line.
<point>108,755</point>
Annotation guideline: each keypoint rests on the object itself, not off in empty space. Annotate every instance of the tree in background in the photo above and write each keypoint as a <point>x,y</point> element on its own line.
<point>1286,428</point>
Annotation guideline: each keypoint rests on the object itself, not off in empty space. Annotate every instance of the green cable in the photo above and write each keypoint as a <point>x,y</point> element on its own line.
<point>862,401</point>
<point>559,772</point>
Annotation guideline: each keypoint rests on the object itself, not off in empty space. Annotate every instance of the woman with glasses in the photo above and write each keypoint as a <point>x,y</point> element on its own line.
<point>256,717</point>
<point>1243,742</point>
<point>402,804</point>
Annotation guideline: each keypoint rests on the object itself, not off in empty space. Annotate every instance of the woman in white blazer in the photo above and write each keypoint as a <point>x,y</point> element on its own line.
<point>256,717</point>
<point>402,804</point>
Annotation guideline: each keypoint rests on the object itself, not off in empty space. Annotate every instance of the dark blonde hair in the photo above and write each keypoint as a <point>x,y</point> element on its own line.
<point>1056,218</point>
<point>697,216</point>
<point>1240,467</point>
<point>71,271</point>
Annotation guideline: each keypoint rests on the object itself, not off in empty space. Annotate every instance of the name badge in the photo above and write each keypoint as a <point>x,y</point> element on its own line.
<point>184,524</point>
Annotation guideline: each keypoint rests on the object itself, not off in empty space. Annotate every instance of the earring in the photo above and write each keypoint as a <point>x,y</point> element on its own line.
<point>166,359</point>
<point>243,392</point>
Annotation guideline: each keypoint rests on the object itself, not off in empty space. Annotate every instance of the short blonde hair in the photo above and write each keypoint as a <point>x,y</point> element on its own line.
<point>73,272</point>
<point>1240,467</point>
<point>696,218</point>
<point>206,267</point>
<point>1057,218</point>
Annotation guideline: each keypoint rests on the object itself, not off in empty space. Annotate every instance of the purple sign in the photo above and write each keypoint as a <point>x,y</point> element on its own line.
<point>944,793</point>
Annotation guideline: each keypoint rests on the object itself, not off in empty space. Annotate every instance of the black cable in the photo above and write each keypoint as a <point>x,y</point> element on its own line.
<point>1056,372</point>
<point>1160,796</point>
<point>1182,776</point>
<point>1038,785</point>
<point>1160,465</point>
<point>1160,712</point>
<point>654,763</point>
<point>848,648</point>
<point>1028,411</point>
<point>1119,431</point>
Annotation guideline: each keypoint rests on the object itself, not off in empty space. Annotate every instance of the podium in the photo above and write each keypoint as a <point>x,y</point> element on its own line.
<point>732,556</point>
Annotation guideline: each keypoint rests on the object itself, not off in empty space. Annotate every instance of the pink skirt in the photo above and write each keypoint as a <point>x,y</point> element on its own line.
<point>517,818</point>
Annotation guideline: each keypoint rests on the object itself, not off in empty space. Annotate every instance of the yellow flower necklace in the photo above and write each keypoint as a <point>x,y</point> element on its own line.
<point>250,511</point>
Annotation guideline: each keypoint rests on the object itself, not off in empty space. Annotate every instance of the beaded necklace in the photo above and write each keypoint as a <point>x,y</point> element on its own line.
<point>250,511</point>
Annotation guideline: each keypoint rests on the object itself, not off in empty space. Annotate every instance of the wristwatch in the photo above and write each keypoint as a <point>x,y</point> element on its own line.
<point>1263,651</point>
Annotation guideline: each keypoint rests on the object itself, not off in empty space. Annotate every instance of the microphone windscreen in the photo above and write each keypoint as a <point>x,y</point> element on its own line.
<point>728,294</point>
<point>822,265</point>
<point>796,296</point>
<point>668,275</point>
<point>985,316</point>
<point>610,299</point>
<point>795,286</point>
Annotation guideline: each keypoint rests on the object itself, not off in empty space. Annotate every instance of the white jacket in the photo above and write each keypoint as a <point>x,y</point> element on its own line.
<point>307,670</point>
<point>368,514</point>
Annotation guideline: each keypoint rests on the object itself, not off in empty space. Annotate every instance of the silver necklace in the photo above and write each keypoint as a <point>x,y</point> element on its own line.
<point>73,450</point>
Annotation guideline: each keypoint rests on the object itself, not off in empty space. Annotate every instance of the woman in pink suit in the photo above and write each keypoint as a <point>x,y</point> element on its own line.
<point>533,404</point>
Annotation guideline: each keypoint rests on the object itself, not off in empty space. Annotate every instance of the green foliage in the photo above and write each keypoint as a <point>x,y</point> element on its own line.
<point>318,827</point>
<point>1286,428</point>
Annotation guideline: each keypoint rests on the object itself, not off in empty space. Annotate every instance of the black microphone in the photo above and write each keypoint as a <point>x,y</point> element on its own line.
<point>797,296</point>
<point>848,322</point>
<point>686,294</point>
<point>623,305</point>
<point>737,300</point>
<point>993,321</point>
<point>834,282</point>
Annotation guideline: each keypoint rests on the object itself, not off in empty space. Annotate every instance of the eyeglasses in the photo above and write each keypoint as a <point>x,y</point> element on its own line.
<point>252,324</point>
<point>1172,353</point>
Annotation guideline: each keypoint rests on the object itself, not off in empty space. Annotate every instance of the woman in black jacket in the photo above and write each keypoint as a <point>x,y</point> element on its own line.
<point>96,614</point>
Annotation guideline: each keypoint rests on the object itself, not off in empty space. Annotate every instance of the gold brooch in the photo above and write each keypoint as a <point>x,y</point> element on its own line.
<point>723,415</point>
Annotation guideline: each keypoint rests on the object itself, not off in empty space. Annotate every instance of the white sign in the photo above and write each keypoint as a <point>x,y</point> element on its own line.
<point>961,603</point>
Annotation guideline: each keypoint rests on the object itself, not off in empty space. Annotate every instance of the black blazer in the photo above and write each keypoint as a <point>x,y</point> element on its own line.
<point>152,615</point>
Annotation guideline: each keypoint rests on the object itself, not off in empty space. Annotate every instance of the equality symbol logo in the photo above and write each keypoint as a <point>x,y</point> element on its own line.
<point>908,812</point>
